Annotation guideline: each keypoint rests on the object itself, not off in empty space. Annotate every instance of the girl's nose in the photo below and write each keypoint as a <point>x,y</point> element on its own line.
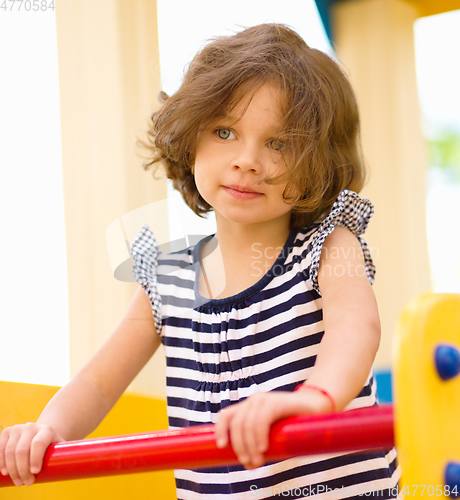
<point>248,159</point>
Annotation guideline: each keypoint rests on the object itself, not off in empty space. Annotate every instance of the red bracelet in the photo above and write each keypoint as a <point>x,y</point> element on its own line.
<point>303,385</point>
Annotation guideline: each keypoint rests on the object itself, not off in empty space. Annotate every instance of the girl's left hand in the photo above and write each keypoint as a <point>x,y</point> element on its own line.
<point>248,423</point>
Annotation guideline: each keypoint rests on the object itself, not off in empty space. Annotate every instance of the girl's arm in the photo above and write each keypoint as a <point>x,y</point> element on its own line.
<point>350,318</point>
<point>346,353</point>
<point>79,407</point>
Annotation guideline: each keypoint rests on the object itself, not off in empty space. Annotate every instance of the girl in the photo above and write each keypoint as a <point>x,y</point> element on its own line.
<point>264,131</point>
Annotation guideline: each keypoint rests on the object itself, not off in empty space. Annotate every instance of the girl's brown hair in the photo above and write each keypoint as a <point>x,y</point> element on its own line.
<point>320,116</point>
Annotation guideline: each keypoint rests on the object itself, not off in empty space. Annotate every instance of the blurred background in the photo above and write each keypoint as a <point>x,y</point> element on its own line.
<point>78,85</point>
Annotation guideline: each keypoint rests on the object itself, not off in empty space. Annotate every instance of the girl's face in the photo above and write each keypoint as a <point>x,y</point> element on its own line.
<point>236,154</point>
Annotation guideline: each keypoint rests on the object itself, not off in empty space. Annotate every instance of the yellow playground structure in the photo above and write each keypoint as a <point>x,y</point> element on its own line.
<point>427,395</point>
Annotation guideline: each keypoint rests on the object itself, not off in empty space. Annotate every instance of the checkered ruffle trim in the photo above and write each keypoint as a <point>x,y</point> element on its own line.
<point>145,252</point>
<point>352,212</point>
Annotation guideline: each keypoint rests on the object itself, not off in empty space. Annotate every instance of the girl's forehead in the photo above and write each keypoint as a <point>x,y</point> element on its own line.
<point>267,98</point>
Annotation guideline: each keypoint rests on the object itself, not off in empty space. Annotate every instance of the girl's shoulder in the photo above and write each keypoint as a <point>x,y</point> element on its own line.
<point>349,210</point>
<point>148,254</point>
<point>155,265</point>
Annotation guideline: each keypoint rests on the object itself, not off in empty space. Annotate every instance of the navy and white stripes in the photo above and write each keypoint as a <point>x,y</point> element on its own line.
<point>265,338</point>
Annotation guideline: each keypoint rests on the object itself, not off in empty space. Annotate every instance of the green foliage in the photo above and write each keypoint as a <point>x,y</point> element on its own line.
<point>444,152</point>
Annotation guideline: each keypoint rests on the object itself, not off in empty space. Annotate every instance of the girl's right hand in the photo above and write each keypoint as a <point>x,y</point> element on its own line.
<point>22,449</point>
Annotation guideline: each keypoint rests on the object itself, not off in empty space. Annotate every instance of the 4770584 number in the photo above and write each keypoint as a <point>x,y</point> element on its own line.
<point>27,5</point>
<point>430,490</point>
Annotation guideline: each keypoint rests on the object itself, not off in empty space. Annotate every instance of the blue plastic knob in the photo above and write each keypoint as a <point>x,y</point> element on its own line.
<point>452,479</point>
<point>447,359</point>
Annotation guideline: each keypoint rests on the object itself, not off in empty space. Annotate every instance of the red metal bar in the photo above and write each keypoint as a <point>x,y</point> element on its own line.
<point>194,447</point>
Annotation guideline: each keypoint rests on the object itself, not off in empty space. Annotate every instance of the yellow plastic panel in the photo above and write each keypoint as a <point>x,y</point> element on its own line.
<point>24,402</point>
<point>427,409</point>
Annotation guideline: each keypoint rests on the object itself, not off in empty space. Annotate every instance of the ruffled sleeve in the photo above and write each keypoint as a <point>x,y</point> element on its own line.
<point>145,252</point>
<point>352,212</point>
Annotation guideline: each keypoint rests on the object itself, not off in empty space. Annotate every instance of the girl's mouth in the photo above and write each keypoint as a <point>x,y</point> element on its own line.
<point>242,192</point>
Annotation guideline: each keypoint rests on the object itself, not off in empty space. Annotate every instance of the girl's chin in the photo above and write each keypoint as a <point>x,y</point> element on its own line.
<point>243,218</point>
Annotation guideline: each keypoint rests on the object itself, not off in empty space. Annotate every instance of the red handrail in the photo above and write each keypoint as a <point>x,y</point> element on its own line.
<point>195,447</point>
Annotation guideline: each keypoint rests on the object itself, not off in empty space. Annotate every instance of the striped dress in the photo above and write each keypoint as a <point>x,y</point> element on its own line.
<point>265,338</point>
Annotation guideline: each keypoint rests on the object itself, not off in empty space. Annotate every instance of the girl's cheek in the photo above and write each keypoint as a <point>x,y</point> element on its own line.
<point>200,183</point>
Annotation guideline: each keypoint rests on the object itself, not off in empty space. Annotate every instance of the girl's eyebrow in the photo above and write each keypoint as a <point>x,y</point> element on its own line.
<point>229,120</point>
<point>224,117</point>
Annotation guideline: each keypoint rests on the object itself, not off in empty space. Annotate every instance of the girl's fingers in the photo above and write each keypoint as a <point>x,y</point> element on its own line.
<point>38,447</point>
<point>3,440</point>
<point>221,428</point>
<point>238,433</point>
<point>10,457</point>
<point>249,422</point>
<point>254,428</point>
<point>22,456</point>
<point>22,449</point>
<point>267,408</point>
<point>226,428</point>
<point>242,422</point>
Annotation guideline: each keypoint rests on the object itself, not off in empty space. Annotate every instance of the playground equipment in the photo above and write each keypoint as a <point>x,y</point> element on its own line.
<point>427,395</point>
<point>195,447</point>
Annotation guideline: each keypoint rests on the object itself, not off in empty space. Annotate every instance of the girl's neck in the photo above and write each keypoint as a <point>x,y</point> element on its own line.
<point>239,239</point>
<point>240,257</point>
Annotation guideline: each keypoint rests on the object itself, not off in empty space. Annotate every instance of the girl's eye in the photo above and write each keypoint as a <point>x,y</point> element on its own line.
<point>225,133</point>
<point>277,145</point>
